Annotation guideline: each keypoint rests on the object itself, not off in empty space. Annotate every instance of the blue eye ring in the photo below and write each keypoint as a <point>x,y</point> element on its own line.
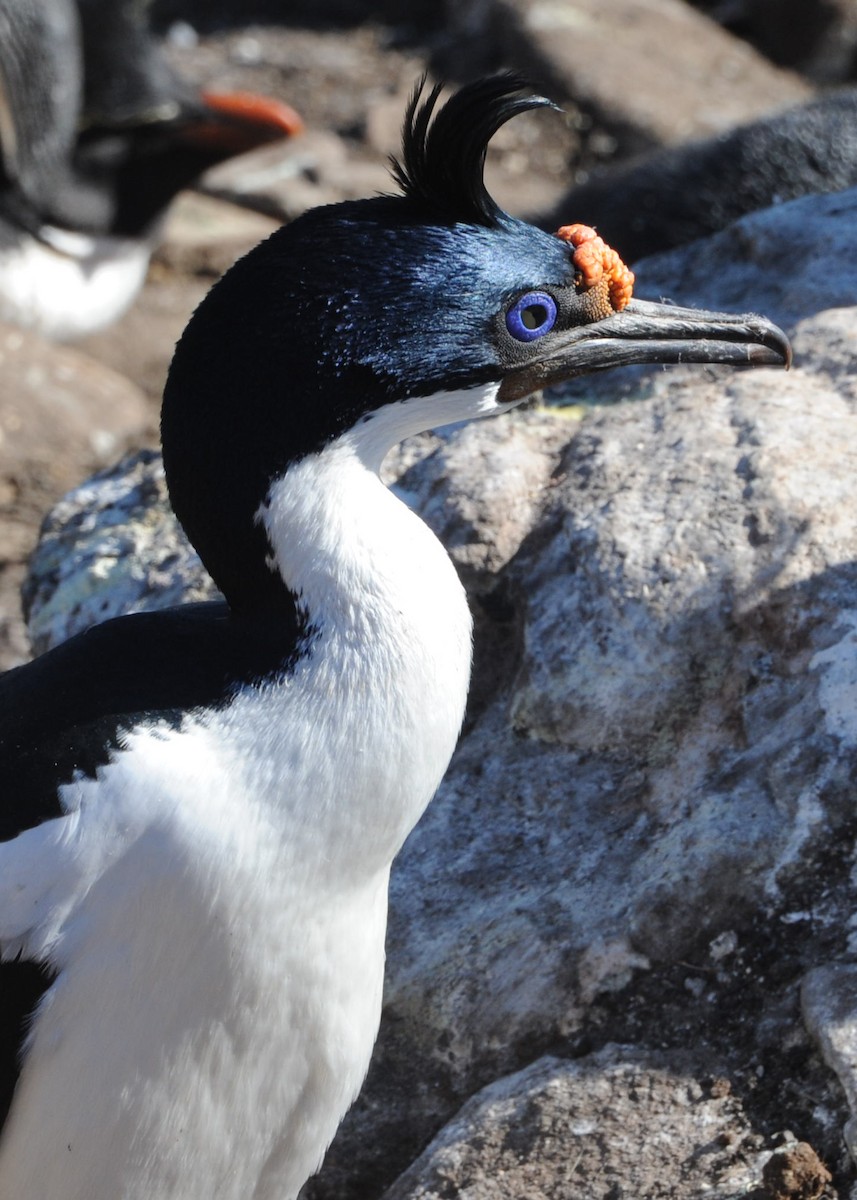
<point>531,316</point>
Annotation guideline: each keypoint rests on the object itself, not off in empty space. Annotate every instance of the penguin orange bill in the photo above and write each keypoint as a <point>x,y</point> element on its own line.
<point>254,109</point>
<point>239,121</point>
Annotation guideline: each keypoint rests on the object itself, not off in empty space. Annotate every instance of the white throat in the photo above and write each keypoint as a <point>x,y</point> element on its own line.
<point>377,432</point>
<point>388,616</point>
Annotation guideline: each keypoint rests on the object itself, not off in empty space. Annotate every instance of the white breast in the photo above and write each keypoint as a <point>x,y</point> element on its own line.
<point>223,895</point>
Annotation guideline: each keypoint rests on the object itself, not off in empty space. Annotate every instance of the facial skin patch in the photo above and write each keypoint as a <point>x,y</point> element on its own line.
<point>597,263</point>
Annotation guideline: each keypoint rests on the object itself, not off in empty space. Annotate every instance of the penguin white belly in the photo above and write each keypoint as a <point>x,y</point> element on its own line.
<point>71,285</point>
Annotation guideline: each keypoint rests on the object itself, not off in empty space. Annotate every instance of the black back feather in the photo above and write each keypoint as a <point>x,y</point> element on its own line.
<point>68,712</point>
<point>443,153</point>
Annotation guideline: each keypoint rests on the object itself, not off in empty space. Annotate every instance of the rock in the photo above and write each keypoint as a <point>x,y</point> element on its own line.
<point>646,835</point>
<point>204,236</point>
<point>795,1173</point>
<point>654,71</point>
<point>283,181</point>
<point>816,37</point>
<point>110,546</point>
<point>828,57</point>
<point>673,737</point>
<point>817,233</point>
<point>829,998</point>
<point>62,415</point>
<point>585,1128</point>
<point>335,80</point>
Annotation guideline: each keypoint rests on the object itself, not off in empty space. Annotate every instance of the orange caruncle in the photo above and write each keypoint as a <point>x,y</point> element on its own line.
<point>595,260</point>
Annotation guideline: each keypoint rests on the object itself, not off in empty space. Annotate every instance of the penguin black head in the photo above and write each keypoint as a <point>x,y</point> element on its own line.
<point>98,132</point>
<point>363,308</point>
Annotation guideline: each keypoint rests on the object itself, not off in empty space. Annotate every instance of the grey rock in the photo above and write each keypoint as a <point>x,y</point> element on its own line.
<point>656,72</point>
<point>657,764</point>
<point>817,37</point>
<point>670,749</point>
<point>204,236</point>
<point>285,180</point>
<point>829,997</point>
<point>616,1123</point>
<point>110,546</point>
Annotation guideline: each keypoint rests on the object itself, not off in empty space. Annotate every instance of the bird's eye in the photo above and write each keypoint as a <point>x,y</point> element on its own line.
<point>531,316</point>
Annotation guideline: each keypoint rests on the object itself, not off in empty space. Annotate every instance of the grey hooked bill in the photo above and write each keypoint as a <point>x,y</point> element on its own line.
<point>645,332</point>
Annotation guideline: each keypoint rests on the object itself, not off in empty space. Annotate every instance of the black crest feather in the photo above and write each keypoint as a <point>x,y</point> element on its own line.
<point>443,152</point>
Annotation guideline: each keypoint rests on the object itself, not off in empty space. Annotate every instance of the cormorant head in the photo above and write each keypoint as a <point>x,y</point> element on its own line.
<point>407,312</point>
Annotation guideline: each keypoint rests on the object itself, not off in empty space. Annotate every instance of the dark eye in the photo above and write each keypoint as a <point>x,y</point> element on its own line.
<point>531,316</point>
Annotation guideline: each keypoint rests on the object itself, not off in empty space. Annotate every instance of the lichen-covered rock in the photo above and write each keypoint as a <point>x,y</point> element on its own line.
<point>110,546</point>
